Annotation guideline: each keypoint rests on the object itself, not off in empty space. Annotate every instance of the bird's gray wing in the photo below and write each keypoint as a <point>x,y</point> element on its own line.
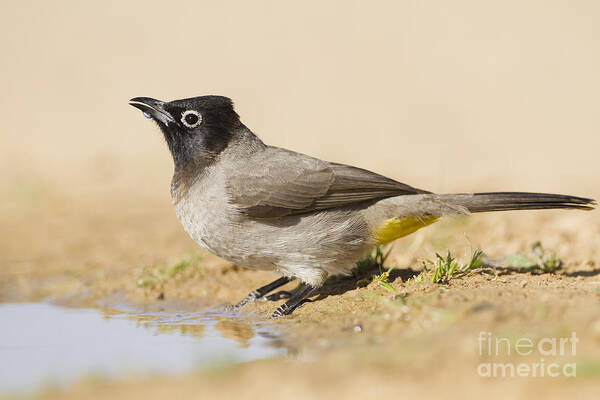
<point>278,182</point>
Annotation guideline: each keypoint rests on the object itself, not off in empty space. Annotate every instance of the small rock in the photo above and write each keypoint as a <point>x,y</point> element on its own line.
<point>482,307</point>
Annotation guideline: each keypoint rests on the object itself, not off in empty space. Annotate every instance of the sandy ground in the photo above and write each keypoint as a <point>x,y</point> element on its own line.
<point>447,97</point>
<point>356,339</point>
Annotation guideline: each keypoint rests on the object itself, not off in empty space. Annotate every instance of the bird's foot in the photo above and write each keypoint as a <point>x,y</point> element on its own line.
<point>296,301</point>
<point>250,297</point>
<point>260,293</point>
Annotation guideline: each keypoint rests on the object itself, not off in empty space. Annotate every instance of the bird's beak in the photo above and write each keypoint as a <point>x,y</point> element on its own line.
<point>152,108</point>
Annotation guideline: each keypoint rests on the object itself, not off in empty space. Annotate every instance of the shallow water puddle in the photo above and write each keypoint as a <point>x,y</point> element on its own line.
<point>44,344</point>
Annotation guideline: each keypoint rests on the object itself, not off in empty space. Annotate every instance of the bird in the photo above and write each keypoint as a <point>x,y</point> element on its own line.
<point>269,208</point>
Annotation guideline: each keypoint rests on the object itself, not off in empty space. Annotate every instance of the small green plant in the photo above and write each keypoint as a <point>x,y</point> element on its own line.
<point>376,259</point>
<point>538,258</point>
<point>446,268</point>
<point>179,267</point>
<point>418,278</point>
<point>383,279</point>
<point>156,275</point>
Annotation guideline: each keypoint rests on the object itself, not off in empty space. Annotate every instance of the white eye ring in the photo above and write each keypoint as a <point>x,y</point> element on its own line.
<point>191,112</point>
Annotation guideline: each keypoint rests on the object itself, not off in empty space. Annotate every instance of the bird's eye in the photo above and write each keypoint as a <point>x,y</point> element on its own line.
<point>191,118</point>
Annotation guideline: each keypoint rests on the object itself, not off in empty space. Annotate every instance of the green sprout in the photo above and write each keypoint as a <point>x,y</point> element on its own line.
<point>152,276</point>
<point>447,268</point>
<point>537,259</point>
<point>376,259</point>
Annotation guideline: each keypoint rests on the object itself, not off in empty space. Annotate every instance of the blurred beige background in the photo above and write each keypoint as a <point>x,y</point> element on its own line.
<point>490,95</point>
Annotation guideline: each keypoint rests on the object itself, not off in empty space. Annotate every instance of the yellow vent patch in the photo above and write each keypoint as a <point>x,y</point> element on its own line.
<point>395,228</point>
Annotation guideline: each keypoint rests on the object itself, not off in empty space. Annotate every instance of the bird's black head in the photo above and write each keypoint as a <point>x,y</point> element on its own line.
<point>197,129</point>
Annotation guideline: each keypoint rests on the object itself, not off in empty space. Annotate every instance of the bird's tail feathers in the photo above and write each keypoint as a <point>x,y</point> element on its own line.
<point>508,201</point>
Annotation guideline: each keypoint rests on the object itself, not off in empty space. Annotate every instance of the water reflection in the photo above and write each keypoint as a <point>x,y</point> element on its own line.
<point>235,330</point>
<point>43,343</point>
<point>186,330</point>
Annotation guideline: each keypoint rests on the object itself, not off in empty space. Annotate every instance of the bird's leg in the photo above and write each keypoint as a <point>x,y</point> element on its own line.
<point>282,294</point>
<point>262,291</point>
<point>297,300</point>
